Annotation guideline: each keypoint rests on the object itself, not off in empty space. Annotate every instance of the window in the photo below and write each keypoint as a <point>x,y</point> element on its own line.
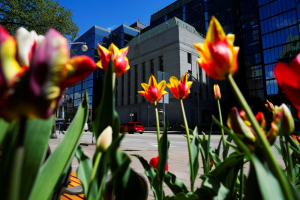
<point>136,83</point>
<point>152,66</point>
<point>161,63</point>
<point>144,75</point>
<point>189,58</point>
<point>129,87</point>
<point>123,88</point>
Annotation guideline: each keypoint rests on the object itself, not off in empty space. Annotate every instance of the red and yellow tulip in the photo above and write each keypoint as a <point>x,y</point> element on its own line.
<point>119,59</point>
<point>153,91</point>
<point>218,54</point>
<point>46,71</point>
<point>217,92</point>
<point>180,89</point>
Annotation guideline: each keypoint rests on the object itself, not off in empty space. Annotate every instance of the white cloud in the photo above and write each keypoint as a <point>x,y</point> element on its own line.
<point>111,27</point>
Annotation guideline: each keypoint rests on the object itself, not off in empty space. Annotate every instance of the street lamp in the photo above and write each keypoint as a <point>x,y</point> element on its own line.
<point>198,94</point>
<point>53,134</point>
<point>83,47</point>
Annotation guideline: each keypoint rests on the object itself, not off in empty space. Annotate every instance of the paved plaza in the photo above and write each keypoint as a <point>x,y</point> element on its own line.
<point>145,146</point>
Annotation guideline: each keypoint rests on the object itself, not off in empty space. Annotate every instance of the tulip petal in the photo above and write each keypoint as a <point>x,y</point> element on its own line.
<point>78,68</point>
<point>215,31</point>
<point>144,86</point>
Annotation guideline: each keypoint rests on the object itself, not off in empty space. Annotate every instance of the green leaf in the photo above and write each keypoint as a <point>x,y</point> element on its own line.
<point>8,149</point>
<point>163,148</point>
<point>294,143</point>
<point>51,173</point>
<point>278,150</point>
<point>213,188</point>
<point>195,156</point>
<point>149,171</point>
<point>4,130</point>
<point>226,148</point>
<point>126,182</point>
<point>183,196</point>
<point>215,158</point>
<point>269,187</point>
<point>36,143</point>
<point>283,150</point>
<point>208,148</point>
<point>84,172</point>
<point>218,149</point>
<point>227,171</point>
<point>105,114</point>
<point>174,183</point>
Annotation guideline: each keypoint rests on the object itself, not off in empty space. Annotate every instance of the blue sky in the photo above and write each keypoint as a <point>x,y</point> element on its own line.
<point>111,14</point>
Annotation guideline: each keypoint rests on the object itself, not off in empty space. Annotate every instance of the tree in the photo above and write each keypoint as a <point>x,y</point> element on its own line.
<point>38,15</point>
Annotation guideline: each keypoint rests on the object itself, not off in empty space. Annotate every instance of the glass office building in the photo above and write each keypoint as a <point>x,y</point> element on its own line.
<point>94,82</point>
<point>265,30</point>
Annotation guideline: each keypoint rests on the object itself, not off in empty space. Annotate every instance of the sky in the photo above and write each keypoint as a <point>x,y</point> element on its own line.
<point>112,13</point>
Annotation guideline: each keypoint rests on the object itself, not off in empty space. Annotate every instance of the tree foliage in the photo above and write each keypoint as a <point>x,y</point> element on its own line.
<point>38,15</point>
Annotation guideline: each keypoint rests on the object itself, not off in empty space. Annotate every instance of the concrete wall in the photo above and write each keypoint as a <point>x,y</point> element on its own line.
<point>174,45</point>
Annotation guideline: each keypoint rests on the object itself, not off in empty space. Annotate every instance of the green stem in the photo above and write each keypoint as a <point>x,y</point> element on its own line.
<point>94,172</point>
<point>267,151</point>
<point>221,121</point>
<point>157,122</point>
<point>290,162</point>
<point>241,180</point>
<point>189,145</point>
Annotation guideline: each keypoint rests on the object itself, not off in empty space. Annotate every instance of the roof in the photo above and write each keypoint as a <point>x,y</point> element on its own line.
<point>162,28</point>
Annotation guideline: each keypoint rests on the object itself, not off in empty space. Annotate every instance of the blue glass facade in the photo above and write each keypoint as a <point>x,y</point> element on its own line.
<point>93,83</point>
<point>265,30</point>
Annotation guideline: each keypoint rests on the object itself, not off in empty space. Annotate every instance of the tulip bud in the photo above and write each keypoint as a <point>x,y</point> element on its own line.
<point>287,122</point>
<point>217,92</point>
<point>275,126</point>
<point>105,139</point>
<point>269,106</point>
<point>236,123</point>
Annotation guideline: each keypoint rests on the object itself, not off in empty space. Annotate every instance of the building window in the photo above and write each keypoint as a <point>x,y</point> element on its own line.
<point>128,87</point>
<point>144,75</point>
<point>161,63</point>
<point>123,88</point>
<point>189,58</point>
<point>136,83</point>
<point>152,66</point>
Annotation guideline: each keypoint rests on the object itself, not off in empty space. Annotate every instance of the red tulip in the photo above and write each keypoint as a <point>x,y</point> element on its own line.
<point>288,78</point>
<point>154,162</point>
<point>217,92</point>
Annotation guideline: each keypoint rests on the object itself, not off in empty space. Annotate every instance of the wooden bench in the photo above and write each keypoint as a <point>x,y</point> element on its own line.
<point>74,181</point>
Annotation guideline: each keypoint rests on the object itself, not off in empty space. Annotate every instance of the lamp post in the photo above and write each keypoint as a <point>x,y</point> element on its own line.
<point>53,133</point>
<point>148,114</point>
<point>198,94</point>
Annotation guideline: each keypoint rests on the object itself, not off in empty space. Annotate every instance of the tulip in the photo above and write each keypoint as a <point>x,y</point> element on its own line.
<point>180,89</point>
<point>153,91</point>
<point>154,162</point>
<point>218,55</point>
<point>119,59</point>
<point>240,125</point>
<point>105,139</point>
<point>296,139</point>
<point>38,92</point>
<point>275,125</point>
<point>298,114</point>
<point>217,92</point>
<point>236,123</point>
<point>10,69</point>
<point>287,121</point>
<point>269,106</point>
<point>288,77</point>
